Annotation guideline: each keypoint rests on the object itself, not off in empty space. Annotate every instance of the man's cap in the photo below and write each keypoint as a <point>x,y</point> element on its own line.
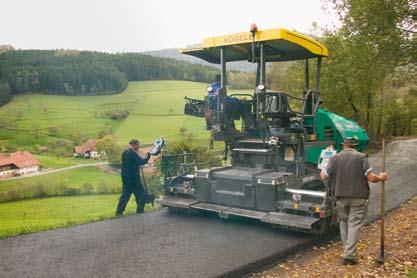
<point>351,141</point>
<point>133,141</point>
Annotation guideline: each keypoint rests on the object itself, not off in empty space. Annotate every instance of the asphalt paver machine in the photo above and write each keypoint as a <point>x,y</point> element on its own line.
<point>276,152</point>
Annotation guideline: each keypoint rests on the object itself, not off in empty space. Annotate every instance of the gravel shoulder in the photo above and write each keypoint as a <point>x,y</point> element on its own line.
<point>400,250</point>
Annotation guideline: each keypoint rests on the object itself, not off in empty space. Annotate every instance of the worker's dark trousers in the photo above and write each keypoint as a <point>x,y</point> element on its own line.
<point>127,189</point>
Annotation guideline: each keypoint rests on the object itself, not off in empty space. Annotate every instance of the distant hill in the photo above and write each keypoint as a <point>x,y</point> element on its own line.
<point>74,72</point>
<point>175,54</point>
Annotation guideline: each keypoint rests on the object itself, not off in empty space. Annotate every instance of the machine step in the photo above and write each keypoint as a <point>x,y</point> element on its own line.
<point>229,210</point>
<point>176,202</point>
<point>210,207</point>
<point>277,218</point>
<point>246,213</point>
<point>290,220</point>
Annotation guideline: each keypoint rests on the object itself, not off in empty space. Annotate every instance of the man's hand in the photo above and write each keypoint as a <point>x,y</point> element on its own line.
<point>323,175</point>
<point>377,178</point>
<point>383,176</point>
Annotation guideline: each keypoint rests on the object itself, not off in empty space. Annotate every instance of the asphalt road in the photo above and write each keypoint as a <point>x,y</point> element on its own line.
<point>161,244</point>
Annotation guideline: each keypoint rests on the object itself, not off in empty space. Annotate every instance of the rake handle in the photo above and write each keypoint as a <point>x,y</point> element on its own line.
<point>382,202</point>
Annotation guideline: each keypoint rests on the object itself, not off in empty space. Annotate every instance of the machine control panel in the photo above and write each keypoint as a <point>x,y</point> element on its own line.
<point>325,156</point>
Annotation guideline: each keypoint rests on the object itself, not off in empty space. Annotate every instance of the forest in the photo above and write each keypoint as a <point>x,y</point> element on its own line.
<point>371,72</point>
<point>72,72</point>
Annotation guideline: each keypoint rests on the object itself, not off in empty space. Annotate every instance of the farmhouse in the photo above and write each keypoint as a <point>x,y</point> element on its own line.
<point>17,164</point>
<point>87,150</point>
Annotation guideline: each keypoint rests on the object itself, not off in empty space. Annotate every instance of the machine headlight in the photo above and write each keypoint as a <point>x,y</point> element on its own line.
<point>261,87</point>
<point>296,197</point>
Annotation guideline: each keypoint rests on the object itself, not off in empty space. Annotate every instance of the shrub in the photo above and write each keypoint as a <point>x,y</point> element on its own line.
<point>117,188</point>
<point>102,187</point>
<point>3,197</point>
<point>12,196</point>
<point>111,188</point>
<point>203,154</point>
<point>58,188</point>
<point>102,133</point>
<point>38,191</point>
<point>72,191</point>
<point>36,148</point>
<point>61,148</point>
<point>116,114</point>
<point>53,131</point>
<point>87,188</point>
<point>154,184</point>
<point>9,148</point>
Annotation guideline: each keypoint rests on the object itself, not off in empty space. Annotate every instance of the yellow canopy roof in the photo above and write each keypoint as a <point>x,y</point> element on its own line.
<point>280,45</point>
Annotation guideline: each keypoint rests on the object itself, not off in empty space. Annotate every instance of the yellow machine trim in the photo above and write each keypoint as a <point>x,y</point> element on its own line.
<point>267,35</point>
<point>309,44</point>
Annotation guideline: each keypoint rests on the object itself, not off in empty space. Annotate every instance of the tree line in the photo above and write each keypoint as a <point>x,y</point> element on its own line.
<point>72,72</point>
<point>371,72</point>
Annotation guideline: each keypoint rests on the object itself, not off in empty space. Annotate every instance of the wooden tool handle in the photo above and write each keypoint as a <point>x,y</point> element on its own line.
<point>382,251</point>
<point>383,156</point>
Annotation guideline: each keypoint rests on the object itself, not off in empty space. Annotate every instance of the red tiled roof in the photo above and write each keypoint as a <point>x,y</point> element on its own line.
<point>21,159</point>
<point>88,146</point>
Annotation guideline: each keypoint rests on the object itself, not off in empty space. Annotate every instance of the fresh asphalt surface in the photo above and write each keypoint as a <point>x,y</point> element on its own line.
<point>162,244</point>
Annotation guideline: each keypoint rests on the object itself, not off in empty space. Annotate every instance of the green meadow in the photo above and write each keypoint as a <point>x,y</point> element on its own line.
<point>50,161</point>
<point>161,111</point>
<point>49,213</point>
<point>156,109</point>
<point>74,178</point>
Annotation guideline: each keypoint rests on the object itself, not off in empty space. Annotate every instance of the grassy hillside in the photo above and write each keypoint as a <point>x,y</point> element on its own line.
<point>74,178</point>
<point>160,111</point>
<point>44,214</point>
<point>156,108</point>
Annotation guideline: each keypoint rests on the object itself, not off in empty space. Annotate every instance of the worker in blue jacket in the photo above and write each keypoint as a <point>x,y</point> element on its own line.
<point>213,93</point>
<point>131,162</point>
<point>232,105</point>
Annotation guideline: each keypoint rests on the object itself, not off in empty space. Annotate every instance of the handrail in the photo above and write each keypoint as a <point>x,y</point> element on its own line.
<point>248,95</point>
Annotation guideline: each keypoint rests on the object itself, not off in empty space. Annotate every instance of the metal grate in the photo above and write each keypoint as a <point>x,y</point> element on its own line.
<point>176,202</point>
<point>209,207</point>
<point>291,220</point>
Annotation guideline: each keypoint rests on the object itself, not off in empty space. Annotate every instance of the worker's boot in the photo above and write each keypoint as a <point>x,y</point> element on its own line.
<point>346,261</point>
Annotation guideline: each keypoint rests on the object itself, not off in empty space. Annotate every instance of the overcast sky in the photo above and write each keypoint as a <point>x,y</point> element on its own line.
<point>137,25</point>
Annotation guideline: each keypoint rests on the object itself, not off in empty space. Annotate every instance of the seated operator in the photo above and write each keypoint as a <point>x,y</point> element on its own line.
<point>213,92</point>
<point>231,105</point>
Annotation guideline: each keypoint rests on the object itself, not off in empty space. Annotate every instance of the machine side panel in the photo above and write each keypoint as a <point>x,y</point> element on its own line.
<point>331,129</point>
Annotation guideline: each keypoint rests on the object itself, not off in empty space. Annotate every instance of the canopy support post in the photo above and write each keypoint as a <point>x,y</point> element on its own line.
<point>257,74</point>
<point>262,59</point>
<point>306,76</point>
<point>223,69</point>
<point>317,85</point>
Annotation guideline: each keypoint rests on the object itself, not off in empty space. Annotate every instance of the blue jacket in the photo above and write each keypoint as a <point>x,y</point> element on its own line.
<point>213,95</point>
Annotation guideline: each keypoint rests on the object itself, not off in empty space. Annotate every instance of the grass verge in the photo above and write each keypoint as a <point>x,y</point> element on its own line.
<point>36,215</point>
